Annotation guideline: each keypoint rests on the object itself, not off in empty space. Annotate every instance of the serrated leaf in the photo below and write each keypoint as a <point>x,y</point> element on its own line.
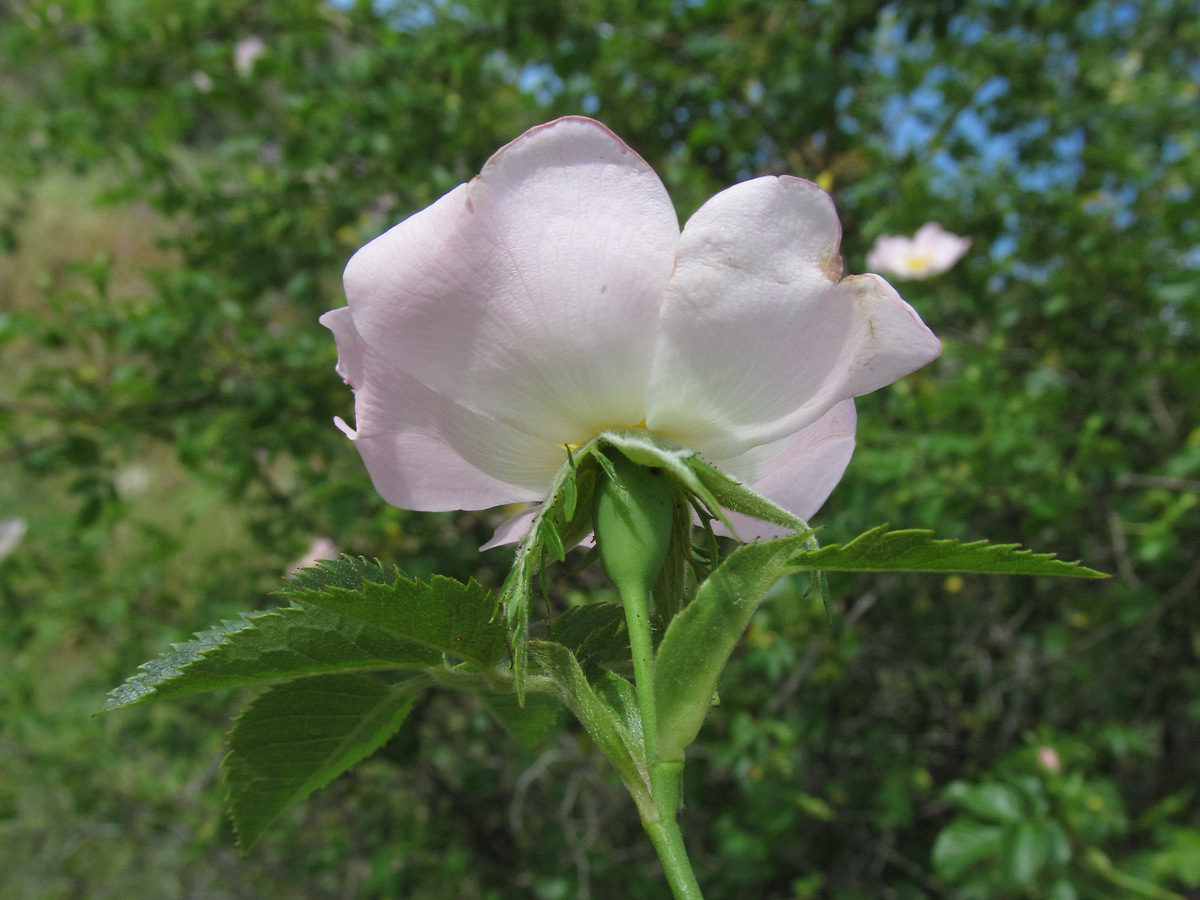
<point>608,711</point>
<point>347,572</point>
<point>270,646</point>
<point>916,550</point>
<point>444,614</point>
<point>299,736</point>
<point>354,615</point>
<point>595,633</point>
<point>699,640</point>
<point>528,724</point>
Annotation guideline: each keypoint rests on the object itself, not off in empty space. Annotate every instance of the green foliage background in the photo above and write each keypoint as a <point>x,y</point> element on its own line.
<point>172,227</point>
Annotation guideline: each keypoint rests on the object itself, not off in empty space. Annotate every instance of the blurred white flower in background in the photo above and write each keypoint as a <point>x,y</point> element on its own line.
<point>133,480</point>
<point>246,52</point>
<point>931,251</point>
<point>1048,759</point>
<point>202,81</point>
<point>321,548</point>
<point>11,532</point>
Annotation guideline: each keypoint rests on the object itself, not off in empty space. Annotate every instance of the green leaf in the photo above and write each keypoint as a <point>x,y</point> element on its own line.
<point>1058,844</point>
<point>444,614</point>
<point>595,633</point>
<point>608,711</point>
<point>271,646</point>
<point>699,640</point>
<point>1180,858</point>
<point>991,801</point>
<point>299,736</point>
<point>528,724</point>
<point>1062,890</point>
<point>354,615</point>
<point>916,550</point>
<point>347,572</point>
<point>1023,853</point>
<point>963,844</point>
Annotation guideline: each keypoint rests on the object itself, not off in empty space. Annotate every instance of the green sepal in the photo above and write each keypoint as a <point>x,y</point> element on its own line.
<point>916,550</point>
<point>731,494</point>
<point>556,528</point>
<point>297,737</point>
<point>671,589</point>
<point>559,526</point>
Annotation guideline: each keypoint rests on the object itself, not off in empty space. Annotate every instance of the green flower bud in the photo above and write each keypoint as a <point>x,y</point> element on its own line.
<point>632,518</point>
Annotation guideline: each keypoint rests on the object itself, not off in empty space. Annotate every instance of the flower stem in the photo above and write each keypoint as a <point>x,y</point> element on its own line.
<point>660,820</point>
<point>665,834</point>
<point>641,645</point>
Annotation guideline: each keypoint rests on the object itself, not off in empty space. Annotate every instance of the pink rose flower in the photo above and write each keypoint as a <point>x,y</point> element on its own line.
<point>931,251</point>
<point>554,297</point>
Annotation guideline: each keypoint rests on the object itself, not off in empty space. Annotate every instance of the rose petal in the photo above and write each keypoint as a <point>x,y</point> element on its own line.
<point>514,528</point>
<point>532,293</point>
<point>939,246</point>
<point>426,453</point>
<point>798,472</point>
<point>891,254</point>
<point>759,338</point>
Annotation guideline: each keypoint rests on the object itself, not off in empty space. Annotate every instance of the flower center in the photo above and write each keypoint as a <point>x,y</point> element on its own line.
<point>572,446</point>
<point>919,262</point>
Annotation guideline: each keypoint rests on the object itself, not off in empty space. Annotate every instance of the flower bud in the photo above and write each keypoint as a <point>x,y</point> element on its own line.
<point>632,519</point>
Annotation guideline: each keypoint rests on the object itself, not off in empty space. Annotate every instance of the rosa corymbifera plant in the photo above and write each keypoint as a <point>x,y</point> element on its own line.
<point>547,335</point>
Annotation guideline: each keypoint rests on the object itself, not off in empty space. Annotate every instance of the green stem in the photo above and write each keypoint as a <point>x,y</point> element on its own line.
<point>641,645</point>
<point>664,832</point>
<point>660,820</point>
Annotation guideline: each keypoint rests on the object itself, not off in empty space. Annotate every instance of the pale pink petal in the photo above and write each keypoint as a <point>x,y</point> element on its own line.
<point>514,528</point>
<point>320,548</point>
<point>890,255</point>
<point>424,452</point>
<point>931,251</point>
<point>797,472</point>
<point>941,248</point>
<point>759,337</point>
<point>246,52</point>
<point>531,294</point>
